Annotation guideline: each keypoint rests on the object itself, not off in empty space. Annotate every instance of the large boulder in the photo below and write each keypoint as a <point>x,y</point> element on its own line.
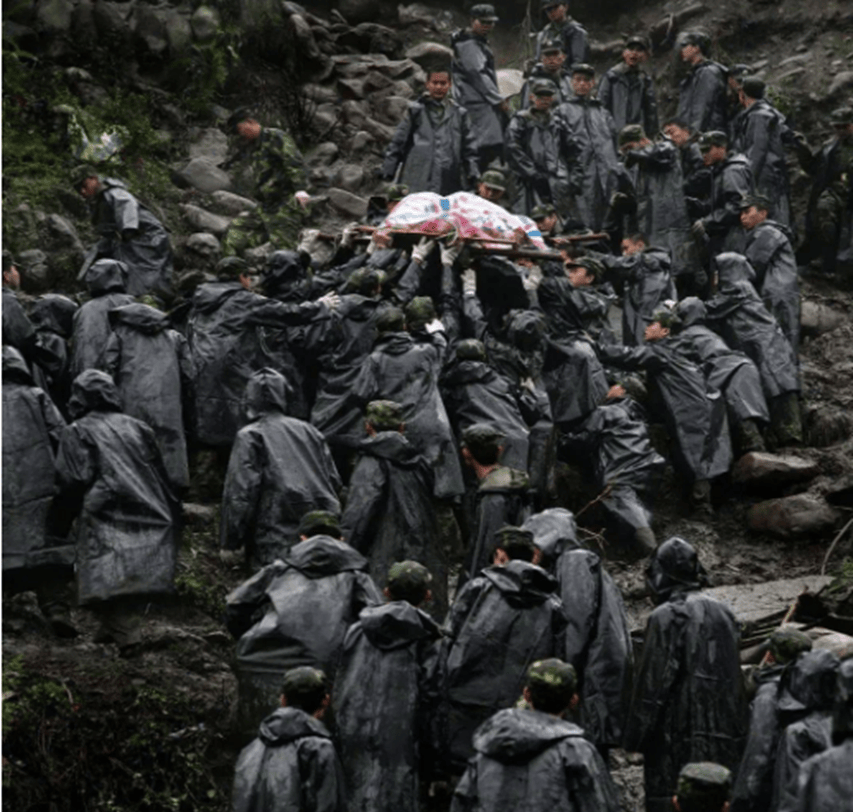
<point>230,204</point>
<point>202,220</point>
<point>205,23</point>
<point>763,470</point>
<point>793,516</point>
<point>202,174</point>
<point>111,21</point>
<point>54,16</point>
<point>152,29</point>
<point>347,203</point>
<point>430,54</point>
<point>210,143</point>
<point>360,11</point>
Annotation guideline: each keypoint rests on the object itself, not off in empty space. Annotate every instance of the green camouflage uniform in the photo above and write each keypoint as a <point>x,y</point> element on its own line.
<point>275,171</point>
<point>384,415</point>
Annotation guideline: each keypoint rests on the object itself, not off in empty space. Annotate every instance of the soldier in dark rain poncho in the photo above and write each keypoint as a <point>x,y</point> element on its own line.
<point>153,371</point>
<point>532,759</point>
<point>389,514</point>
<point>292,764</point>
<point>560,26</point>
<point>32,427</point>
<point>280,469</point>
<point>503,620</point>
<point>53,318</point>
<point>627,91</point>
<point>730,371</point>
<point>128,232</point>
<point>106,280</point>
<point>739,315</point>
<point>406,372</point>
<point>697,711</point>
<point>383,695</point>
<point>18,330</point>
<point>702,93</point>
<point>295,612</point>
<point>112,478</point>
<point>825,782</point>
<point>753,787</point>
<point>598,643</point>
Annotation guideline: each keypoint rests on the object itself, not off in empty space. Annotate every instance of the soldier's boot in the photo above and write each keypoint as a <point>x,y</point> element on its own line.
<point>747,436</point>
<point>786,420</point>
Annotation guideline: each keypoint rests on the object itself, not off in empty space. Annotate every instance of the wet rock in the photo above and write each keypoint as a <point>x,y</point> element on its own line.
<point>37,274</point>
<point>304,36</point>
<point>793,516</point>
<point>152,29</point>
<point>840,492</point>
<point>790,74</point>
<point>324,154</point>
<point>83,28</point>
<point>824,426</point>
<point>196,515</point>
<point>399,68</point>
<point>372,38</point>
<point>381,132</point>
<point>203,220</point>
<point>204,175</point>
<point>111,20</point>
<point>797,59</point>
<point>763,470</point>
<point>205,23</point>
<point>54,16</point>
<point>393,109</point>
<point>210,143</point>
<point>350,177</point>
<point>230,204</point>
<point>205,249</point>
<point>352,88</point>
<point>359,11</point>
<point>326,116</point>
<point>179,32</point>
<point>375,81</point>
<point>842,81</point>
<point>347,203</point>
<point>817,318</point>
<point>62,234</point>
<point>428,54</point>
<point>361,141</point>
<point>416,13</point>
<point>320,93</point>
<point>355,113</point>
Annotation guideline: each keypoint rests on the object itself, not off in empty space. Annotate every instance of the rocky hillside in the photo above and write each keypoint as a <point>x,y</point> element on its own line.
<point>83,730</point>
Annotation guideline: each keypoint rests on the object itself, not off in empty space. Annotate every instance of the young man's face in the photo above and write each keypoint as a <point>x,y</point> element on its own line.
<point>582,84</point>
<point>678,135</point>
<point>249,129</point>
<point>556,14</point>
<point>538,102</point>
<point>553,61</point>
<point>546,224</point>
<point>482,27</point>
<point>12,278</point>
<point>634,56</point>
<point>438,85</point>
<point>751,217</point>
<point>631,247</point>
<point>89,187</point>
<point>655,332</point>
<point>579,276</point>
<point>489,192</point>
<point>689,53</point>
<point>713,155</point>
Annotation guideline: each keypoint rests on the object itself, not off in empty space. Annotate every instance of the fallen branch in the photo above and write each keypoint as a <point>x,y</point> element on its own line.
<point>603,495</point>
<point>832,546</point>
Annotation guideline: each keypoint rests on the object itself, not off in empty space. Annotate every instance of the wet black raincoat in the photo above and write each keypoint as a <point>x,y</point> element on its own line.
<point>702,97</point>
<point>475,86</point>
<point>573,37</point>
<point>129,232</point>
<point>688,702</point>
<point>389,515</point>
<point>768,249</point>
<point>537,762</point>
<point>739,315</point>
<point>107,283</point>
<point>562,80</point>
<point>382,697</point>
<point>440,158</point>
<point>401,370</point>
<point>629,96</point>
<point>153,371</point>
<point>730,371</point>
<point>280,469</point>
<point>53,319</point>
<point>502,622</point>
<point>32,427</point>
<point>598,642</point>
<point>825,782</point>
<point>731,181</point>
<point>125,532</point>
<point>292,765</point>
<point>294,612</point>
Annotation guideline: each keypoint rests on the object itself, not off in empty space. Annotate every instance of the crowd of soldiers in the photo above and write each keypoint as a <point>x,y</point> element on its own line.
<point>388,423</point>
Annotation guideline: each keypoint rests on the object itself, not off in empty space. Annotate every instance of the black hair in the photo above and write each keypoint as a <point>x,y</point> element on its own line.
<point>516,549</point>
<point>637,236</point>
<point>679,122</point>
<point>550,698</point>
<point>309,700</point>
<point>485,451</point>
<point>391,321</point>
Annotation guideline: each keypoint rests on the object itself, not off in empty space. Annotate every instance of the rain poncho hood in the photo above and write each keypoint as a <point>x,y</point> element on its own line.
<point>691,311</point>
<point>322,555</point>
<point>515,736</point>
<point>106,276</point>
<point>267,391</point>
<point>288,724</point>
<point>284,270</point>
<point>15,367</point>
<point>93,391</point>
<point>54,312</point>
<point>396,624</point>
<point>733,268</point>
<point>809,684</point>
<point>521,583</point>
<point>142,317</point>
<point>675,567</point>
<point>554,530</point>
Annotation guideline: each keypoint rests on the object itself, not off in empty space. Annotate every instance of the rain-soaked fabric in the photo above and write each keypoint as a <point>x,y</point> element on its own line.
<point>825,782</point>
<point>389,515</point>
<point>688,702</point>
<point>382,700</point>
<point>292,765</point>
<point>628,94</point>
<point>107,285</point>
<point>598,642</point>
<point>280,468</point>
<point>473,392</point>
<point>739,315</point>
<point>129,232</point>
<point>406,372</point>
<point>502,622</point>
<point>702,97</point>
<point>768,249</point>
<point>125,533</point>
<point>571,34</point>
<point>295,612</point>
<point>227,349</point>
<point>153,371</point>
<point>18,331</point>
<point>537,762</point>
<point>53,318</point>
<point>694,414</point>
<point>731,181</point>
<point>32,427</point>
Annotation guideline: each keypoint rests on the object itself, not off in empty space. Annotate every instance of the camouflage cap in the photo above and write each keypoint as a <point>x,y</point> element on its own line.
<point>81,172</point>
<point>494,178</point>
<point>408,580</point>
<point>231,268</point>
<point>515,541</point>
<point>384,415</point>
<point>303,680</point>
<point>639,39</point>
<point>420,311</point>
<point>753,87</point>
<point>739,71</point>
<point>543,87</point>
<point>665,316</point>
<point>396,192</point>
<point>366,280</point>
<point>553,673</point>
<point>584,68</point>
<point>484,12</point>
<point>787,643</point>
<point>471,349</point>
<point>543,210</point>
<point>320,522</point>
<point>631,133</point>
<point>841,116</point>
<point>694,38</point>
<point>759,201</point>
<point>713,138</point>
<point>704,782</point>
<point>483,434</point>
<point>592,265</point>
<point>552,46</point>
